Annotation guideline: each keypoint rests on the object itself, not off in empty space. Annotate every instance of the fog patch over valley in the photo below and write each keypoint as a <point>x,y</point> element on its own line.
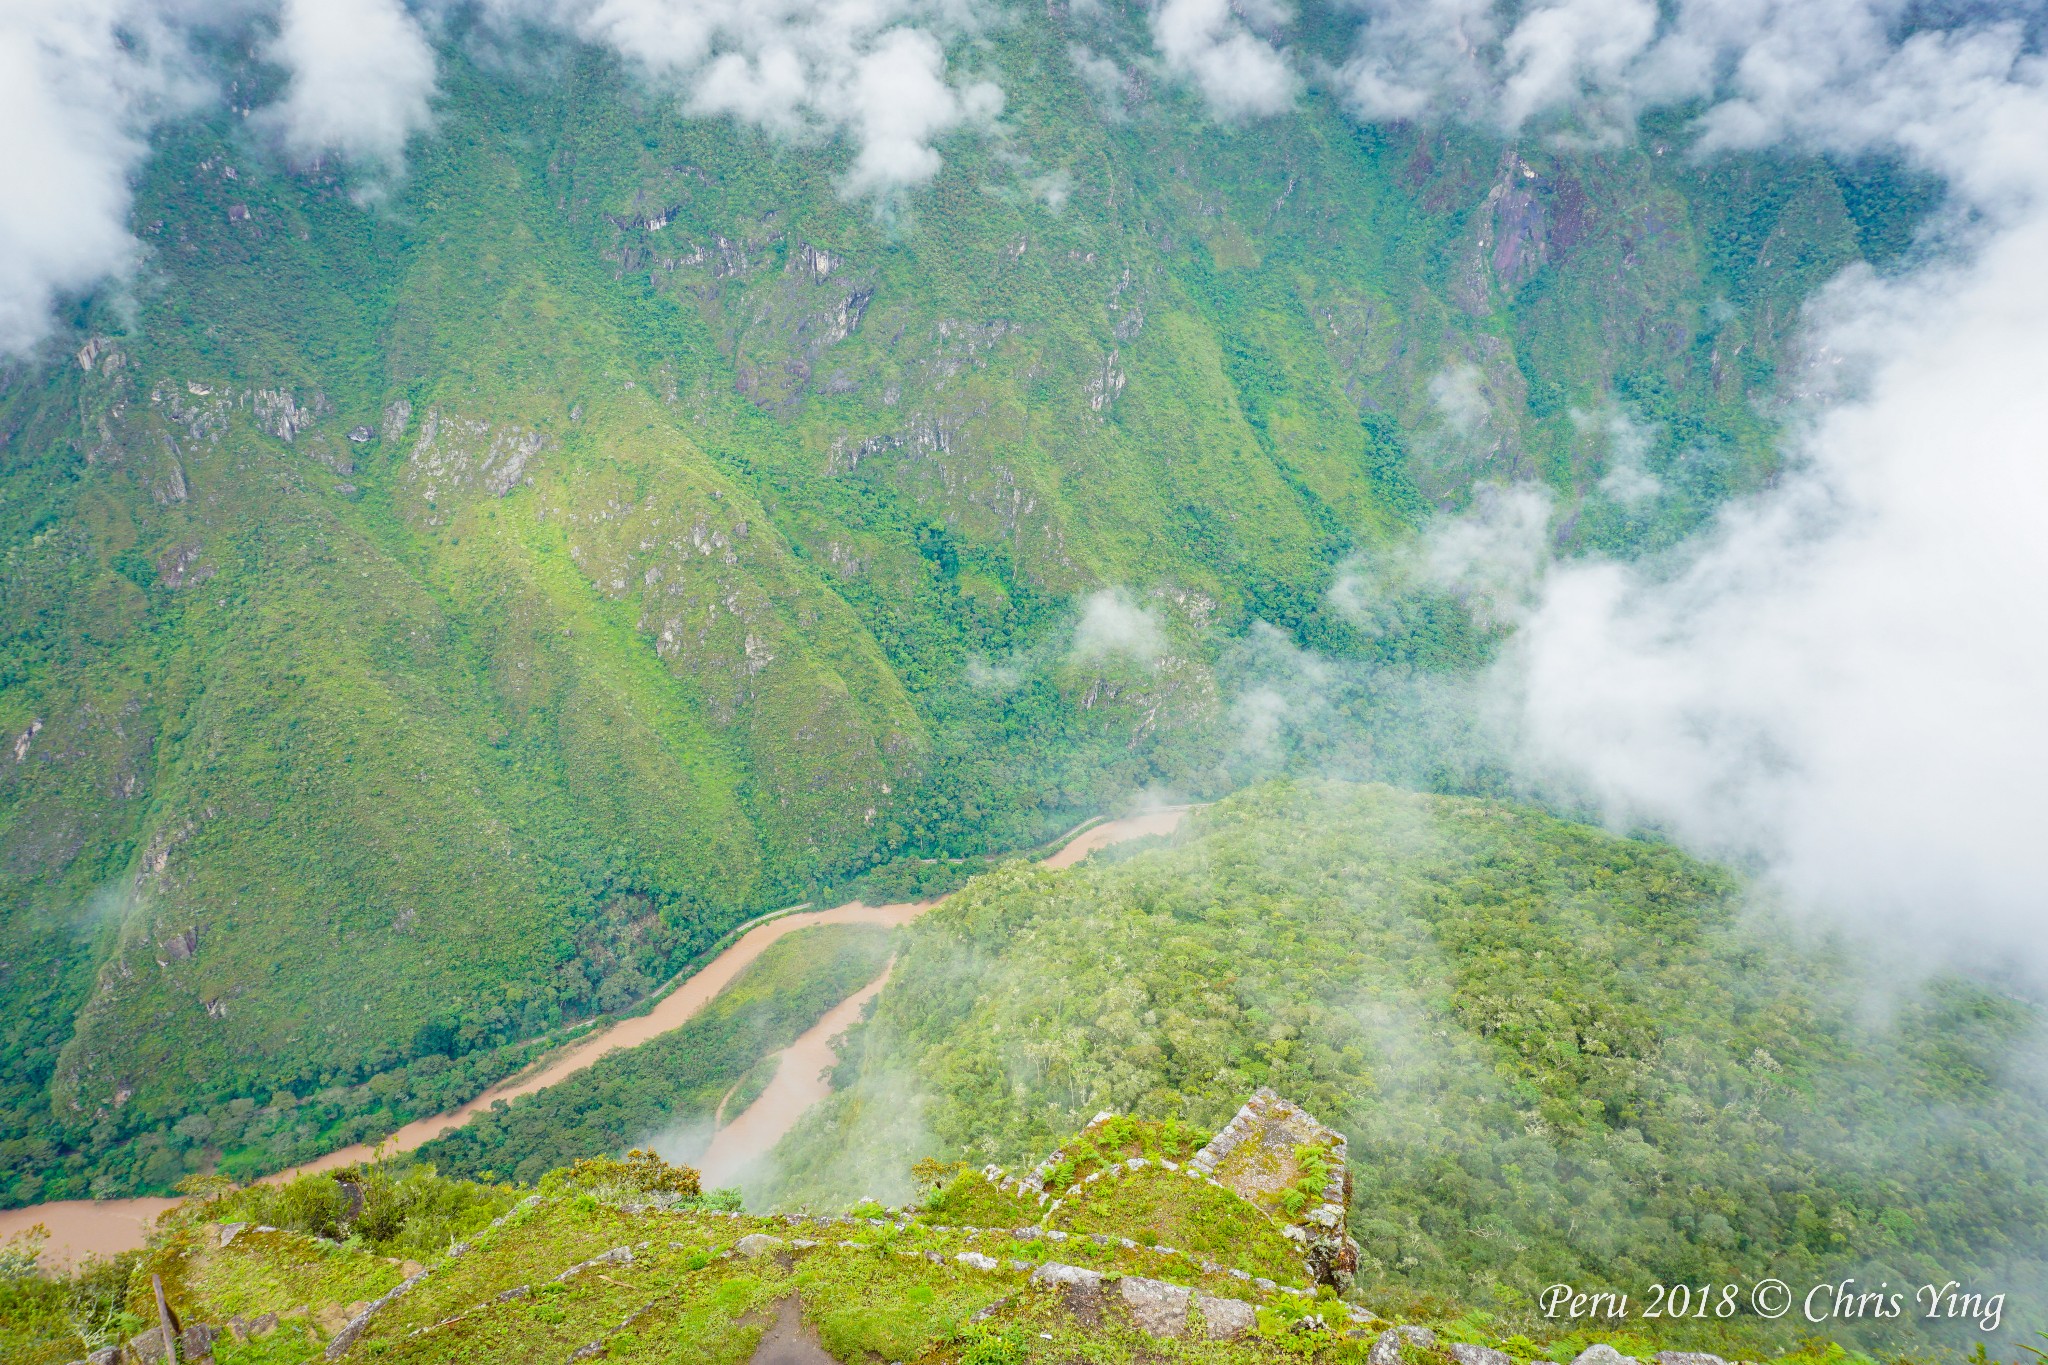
<point>1842,677</point>
<point>798,68</point>
<point>1113,625</point>
<point>1837,681</point>
<point>362,76</point>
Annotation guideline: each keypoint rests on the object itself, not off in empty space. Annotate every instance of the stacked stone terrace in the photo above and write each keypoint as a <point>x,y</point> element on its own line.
<point>1254,1157</point>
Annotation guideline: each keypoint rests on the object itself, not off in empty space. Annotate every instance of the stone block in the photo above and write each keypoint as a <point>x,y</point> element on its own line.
<point>1226,1319</point>
<point>1161,1309</point>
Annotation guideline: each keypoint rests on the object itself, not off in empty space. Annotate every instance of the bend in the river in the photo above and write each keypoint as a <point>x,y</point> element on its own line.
<point>82,1227</point>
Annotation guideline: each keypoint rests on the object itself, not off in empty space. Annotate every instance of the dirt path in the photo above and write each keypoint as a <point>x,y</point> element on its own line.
<point>81,1227</point>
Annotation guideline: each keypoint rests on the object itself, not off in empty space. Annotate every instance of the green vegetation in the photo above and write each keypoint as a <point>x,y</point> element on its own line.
<point>674,1082</point>
<point>45,1317</point>
<point>1558,1055</point>
<point>424,628</point>
<point>624,1259</point>
<point>395,1209</point>
<point>1097,1193</point>
<point>1119,1139</point>
<point>1158,1208</point>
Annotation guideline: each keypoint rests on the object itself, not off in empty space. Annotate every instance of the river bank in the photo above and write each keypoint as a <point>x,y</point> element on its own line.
<point>100,1227</point>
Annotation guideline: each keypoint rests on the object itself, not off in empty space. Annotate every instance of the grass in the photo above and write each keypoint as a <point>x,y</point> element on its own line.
<point>612,1269</point>
<point>1157,1207</point>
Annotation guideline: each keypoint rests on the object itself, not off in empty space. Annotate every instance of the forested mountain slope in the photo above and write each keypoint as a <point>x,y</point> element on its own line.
<point>1558,1056</point>
<point>434,610</point>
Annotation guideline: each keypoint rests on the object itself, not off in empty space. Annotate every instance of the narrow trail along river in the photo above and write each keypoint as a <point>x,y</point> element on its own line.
<point>82,1227</point>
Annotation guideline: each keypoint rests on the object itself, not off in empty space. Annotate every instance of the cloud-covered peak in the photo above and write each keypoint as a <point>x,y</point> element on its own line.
<point>874,71</point>
<point>1213,45</point>
<point>1822,71</point>
<point>79,81</point>
<point>1838,681</point>
<point>82,82</point>
<point>361,75</point>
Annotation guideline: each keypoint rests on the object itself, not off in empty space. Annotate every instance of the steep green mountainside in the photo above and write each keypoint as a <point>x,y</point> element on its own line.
<point>1559,1056</point>
<point>432,613</point>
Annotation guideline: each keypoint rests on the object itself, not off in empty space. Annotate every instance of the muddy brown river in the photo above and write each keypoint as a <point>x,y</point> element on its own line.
<point>100,1227</point>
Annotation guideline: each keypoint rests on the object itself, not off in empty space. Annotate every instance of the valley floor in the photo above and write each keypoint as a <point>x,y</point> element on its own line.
<point>85,1227</point>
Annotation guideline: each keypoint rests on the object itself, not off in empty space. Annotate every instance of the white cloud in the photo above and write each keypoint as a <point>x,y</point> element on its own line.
<point>1626,445</point>
<point>1572,48</point>
<point>1113,625</point>
<point>874,70</point>
<point>76,102</point>
<point>82,82</point>
<point>1285,701</point>
<point>1211,43</point>
<point>1842,679</point>
<point>1772,71</point>
<point>1418,58</point>
<point>1494,556</point>
<point>1259,715</point>
<point>1455,392</point>
<point>361,78</point>
<point>1052,189</point>
<point>1846,681</point>
<point>900,102</point>
<point>1491,558</point>
<point>1104,79</point>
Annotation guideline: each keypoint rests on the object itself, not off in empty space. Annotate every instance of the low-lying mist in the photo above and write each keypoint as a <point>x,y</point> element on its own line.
<point>1559,1054</point>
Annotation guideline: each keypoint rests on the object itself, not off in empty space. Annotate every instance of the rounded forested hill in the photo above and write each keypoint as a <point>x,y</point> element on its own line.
<point>1558,1054</point>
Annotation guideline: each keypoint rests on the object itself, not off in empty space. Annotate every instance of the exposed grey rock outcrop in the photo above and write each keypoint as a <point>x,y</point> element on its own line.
<point>757,1244</point>
<point>460,453</point>
<point>1159,1308</point>
<point>1387,1349</point>
<point>1603,1354</point>
<point>1467,1354</point>
<point>278,412</point>
<point>1055,1274</point>
<point>1225,1319</point>
<point>1271,1125</point>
